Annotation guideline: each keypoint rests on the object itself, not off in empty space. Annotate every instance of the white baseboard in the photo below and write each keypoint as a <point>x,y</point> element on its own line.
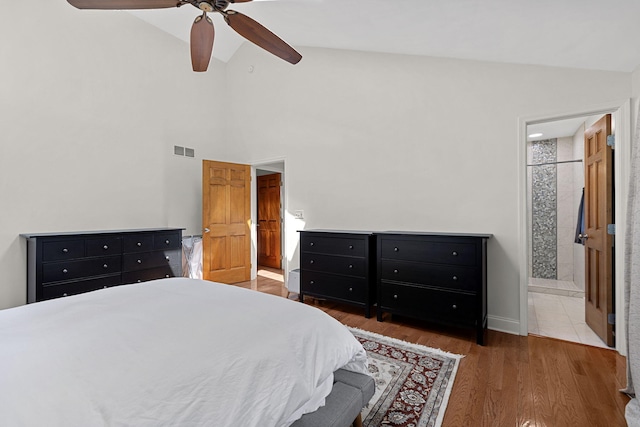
<point>503,324</point>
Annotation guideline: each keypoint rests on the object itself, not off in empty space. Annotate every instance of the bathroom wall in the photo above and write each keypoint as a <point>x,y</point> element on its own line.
<point>566,213</point>
<point>544,219</point>
<point>554,189</point>
<point>578,183</point>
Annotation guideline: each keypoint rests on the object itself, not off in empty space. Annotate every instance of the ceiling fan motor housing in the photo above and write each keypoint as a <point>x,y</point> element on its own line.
<point>212,5</point>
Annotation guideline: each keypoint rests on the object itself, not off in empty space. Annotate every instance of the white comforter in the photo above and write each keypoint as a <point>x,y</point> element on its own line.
<point>179,352</point>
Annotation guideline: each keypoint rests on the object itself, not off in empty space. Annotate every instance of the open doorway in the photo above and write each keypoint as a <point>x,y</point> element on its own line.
<point>555,207</point>
<point>269,218</point>
<point>620,111</point>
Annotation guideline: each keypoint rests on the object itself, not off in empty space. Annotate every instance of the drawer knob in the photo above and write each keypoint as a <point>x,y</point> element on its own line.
<point>395,297</point>
<point>311,282</point>
<point>350,265</point>
<point>454,306</point>
<point>350,246</point>
<point>65,250</point>
<point>104,287</point>
<point>166,276</point>
<point>64,295</point>
<point>350,289</point>
<point>65,271</point>
<point>105,247</point>
<point>396,249</point>
<point>139,261</point>
<point>311,261</point>
<point>311,244</point>
<point>454,253</point>
<point>105,266</point>
<point>167,242</point>
<point>139,281</point>
<point>455,277</point>
<point>139,244</point>
<point>167,257</point>
<point>395,271</point>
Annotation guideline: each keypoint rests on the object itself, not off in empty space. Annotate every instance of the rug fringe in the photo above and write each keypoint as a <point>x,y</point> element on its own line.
<point>407,343</point>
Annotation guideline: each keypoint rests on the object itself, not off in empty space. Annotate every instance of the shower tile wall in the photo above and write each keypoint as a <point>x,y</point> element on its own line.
<point>544,210</point>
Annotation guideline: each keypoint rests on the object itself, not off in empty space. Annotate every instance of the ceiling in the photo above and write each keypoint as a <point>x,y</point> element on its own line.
<point>566,33</point>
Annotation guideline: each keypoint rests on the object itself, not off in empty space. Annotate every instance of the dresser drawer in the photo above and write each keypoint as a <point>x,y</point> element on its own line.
<point>62,249</point>
<point>169,240</point>
<point>142,242</point>
<point>104,246</point>
<point>333,245</point>
<point>78,287</point>
<point>67,270</point>
<point>431,252</point>
<point>172,270</point>
<point>429,303</point>
<point>440,276</point>
<point>335,287</point>
<point>144,260</point>
<point>351,266</point>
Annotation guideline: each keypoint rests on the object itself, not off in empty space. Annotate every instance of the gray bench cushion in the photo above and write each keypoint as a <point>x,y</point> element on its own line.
<point>351,391</point>
<point>364,383</point>
<point>342,407</point>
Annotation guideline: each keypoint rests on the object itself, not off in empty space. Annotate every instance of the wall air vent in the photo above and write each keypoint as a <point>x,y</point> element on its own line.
<point>184,151</point>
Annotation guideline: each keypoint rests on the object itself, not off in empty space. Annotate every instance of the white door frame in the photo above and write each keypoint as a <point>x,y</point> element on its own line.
<point>268,165</point>
<point>621,111</point>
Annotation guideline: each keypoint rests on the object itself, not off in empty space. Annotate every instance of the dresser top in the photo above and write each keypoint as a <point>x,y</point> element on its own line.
<point>435,233</point>
<point>410,233</point>
<point>78,233</point>
<point>337,231</point>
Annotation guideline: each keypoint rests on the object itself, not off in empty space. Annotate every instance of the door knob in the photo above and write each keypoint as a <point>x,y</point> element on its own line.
<point>583,236</point>
<point>206,230</point>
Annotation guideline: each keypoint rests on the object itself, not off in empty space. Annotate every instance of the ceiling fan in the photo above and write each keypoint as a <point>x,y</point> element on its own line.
<point>202,32</point>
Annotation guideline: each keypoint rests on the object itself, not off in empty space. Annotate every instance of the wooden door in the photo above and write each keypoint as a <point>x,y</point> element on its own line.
<point>226,219</point>
<point>598,211</point>
<point>269,221</point>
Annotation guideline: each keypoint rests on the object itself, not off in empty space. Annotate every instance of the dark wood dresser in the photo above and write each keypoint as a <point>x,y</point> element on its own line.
<point>337,265</point>
<point>434,276</point>
<point>61,264</point>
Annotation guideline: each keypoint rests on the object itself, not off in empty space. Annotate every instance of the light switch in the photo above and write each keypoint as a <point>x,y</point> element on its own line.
<point>298,214</point>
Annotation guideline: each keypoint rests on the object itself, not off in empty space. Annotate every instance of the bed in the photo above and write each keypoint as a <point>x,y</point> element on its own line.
<point>170,352</point>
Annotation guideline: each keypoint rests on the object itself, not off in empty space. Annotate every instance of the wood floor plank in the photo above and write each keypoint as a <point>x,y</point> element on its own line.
<point>511,381</point>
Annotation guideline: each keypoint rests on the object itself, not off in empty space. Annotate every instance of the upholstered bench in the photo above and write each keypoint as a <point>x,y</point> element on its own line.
<point>350,393</point>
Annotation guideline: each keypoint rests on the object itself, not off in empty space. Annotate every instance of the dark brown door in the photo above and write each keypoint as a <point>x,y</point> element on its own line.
<point>598,210</point>
<point>269,221</point>
<point>226,218</point>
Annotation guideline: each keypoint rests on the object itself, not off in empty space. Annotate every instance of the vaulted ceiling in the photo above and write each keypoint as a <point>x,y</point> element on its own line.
<point>565,33</point>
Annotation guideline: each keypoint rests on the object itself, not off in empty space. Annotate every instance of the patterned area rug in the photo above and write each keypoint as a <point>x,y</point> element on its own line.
<point>413,382</point>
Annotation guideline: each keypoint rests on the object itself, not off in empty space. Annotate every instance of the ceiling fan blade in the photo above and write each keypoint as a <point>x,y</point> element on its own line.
<point>202,34</point>
<point>123,4</point>
<point>259,35</point>
<point>239,1</point>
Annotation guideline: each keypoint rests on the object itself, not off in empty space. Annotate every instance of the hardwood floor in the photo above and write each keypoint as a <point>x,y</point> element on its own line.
<point>512,380</point>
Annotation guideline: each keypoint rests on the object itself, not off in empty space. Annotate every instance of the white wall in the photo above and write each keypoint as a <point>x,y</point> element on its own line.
<point>566,214</point>
<point>578,183</point>
<point>635,93</point>
<point>392,142</point>
<point>91,104</point>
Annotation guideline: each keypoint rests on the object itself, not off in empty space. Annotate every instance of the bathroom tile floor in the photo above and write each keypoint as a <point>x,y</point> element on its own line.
<point>556,287</point>
<point>562,317</point>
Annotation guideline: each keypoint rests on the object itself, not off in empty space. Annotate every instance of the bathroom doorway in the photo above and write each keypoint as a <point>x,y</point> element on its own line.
<point>556,261</point>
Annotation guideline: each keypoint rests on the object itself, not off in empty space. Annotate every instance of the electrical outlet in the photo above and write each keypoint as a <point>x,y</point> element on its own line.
<point>298,214</point>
